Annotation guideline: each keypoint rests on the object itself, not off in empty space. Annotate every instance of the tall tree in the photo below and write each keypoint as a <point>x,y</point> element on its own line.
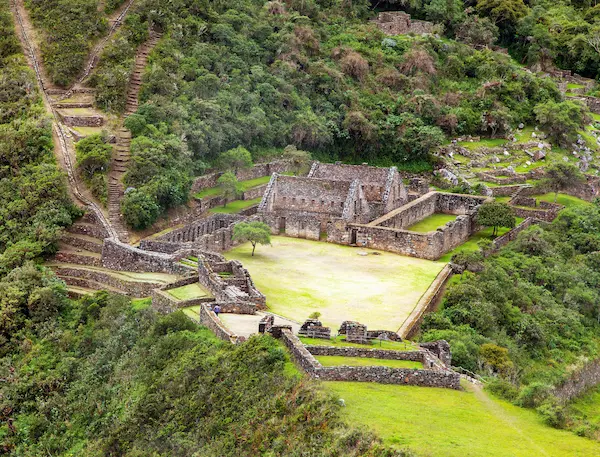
<point>496,215</point>
<point>235,159</point>
<point>299,159</point>
<point>562,175</point>
<point>230,187</point>
<point>256,232</point>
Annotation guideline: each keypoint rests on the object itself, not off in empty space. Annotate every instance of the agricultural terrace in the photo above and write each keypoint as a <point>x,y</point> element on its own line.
<point>300,277</point>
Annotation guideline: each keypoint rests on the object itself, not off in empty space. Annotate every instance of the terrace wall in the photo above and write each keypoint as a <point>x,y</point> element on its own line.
<point>122,257</point>
<point>579,382</point>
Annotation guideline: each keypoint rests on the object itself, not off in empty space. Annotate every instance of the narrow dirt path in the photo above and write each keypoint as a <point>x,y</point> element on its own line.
<point>122,154</point>
<point>64,153</point>
<point>501,414</point>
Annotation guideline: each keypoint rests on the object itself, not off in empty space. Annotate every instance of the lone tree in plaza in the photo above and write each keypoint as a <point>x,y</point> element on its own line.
<point>230,187</point>
<point>560,176</point>
<point>496,215</point>
<point>256,232</point>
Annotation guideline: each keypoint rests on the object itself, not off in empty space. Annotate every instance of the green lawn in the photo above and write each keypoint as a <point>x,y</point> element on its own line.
<point>563,199</point>
<point>188,292</point>
<point>244,186</point>
<point>299,277</point>
<point>575,86</point>
<point>141,303</point>
<point>376,344</point>
<point>192,312</point>
<point>586,409</point>
<point>484,143</point>
<point>431,223</point>
<point>235,206</point>
<point>336,361</point>
<point>447,423</point>
<point>471,243</point>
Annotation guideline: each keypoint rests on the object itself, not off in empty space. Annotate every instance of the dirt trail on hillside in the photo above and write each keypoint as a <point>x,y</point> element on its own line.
<point>503,415</point>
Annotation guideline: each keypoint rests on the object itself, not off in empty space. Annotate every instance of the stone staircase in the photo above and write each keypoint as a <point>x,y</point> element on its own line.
<point>118,167</point>
<point>135,81</point>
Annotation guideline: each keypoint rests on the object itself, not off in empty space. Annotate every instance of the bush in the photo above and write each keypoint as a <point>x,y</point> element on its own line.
<point>139,209</point>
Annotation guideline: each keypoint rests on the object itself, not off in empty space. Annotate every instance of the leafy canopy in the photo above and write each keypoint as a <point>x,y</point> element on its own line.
<point>255,232</point>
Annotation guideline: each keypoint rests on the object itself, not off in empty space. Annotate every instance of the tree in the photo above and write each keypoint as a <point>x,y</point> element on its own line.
<point>561,119</point>
<point>502,12</point>
<point>496,215</point>
<point>562,175</point>
<point>477,31</point>
<point>139,209</point>
<point>93,155</point>
<point>235,159</point>
<point>299,159</point>
<point>468,260</point>
<point>230,187</point>
<point>256,232</point>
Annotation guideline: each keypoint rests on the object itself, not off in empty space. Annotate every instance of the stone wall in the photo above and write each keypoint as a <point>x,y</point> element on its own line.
<point>198,229</point>
<point>400,23</point>
<point>210,320</point>
<point>579,382</point>
<point>81,121</point>
<point>257,171</point>
<point>122,257</point>
<point>530,207</point>
<point>373,353</point>
<point>592,103</point>
<point>427,303</point>
<point>384,375</point>
<point>512,234</point>
<point>502,180</point>
<point>505,191</point>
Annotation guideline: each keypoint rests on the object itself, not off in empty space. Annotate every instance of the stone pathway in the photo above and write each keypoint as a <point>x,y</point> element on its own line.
<point>247,324</point>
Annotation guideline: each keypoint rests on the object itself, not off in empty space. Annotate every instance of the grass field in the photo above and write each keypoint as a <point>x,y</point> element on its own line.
<point>563,199</point>
<point>448,423</point>
<point>235,206</point>
<point>299,277</point>
<point>431,223</point>
<point>188,292</point>
<point>336,361</point>
<point>376,344</point>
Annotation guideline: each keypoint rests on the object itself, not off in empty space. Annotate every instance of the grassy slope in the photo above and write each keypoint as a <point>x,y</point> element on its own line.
<point>431,223</point>
<point>244,186</point>
<point>188,292</point>
<point>235,206</point>
<point>586,409</point>
<point>300,276</point>
<point>336,361</point>
<point>448,423</point>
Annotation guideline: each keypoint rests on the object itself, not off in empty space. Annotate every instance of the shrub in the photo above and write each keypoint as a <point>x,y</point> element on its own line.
<point>139,209</point>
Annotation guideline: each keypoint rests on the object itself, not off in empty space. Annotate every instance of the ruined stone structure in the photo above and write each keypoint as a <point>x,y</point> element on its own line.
<point>400,23</point>
<point>434,373</point>
<point>390,233</point>
<point>313,328</point>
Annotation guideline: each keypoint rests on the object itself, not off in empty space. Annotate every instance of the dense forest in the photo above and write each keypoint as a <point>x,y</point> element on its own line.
<point>533,314</point>
<point>33,196</point>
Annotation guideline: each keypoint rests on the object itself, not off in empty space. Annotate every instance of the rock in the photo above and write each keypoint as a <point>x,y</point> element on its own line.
<point>533,135</point>
<point>521,126</point>
<point>528,163</point>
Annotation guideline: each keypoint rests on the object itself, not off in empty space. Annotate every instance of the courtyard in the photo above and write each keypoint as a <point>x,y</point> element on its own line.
<point>299,277</point>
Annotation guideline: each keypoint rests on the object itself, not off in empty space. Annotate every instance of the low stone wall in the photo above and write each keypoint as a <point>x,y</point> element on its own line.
<point>371,353</point>
<point>505,191</point>
<point>197,230</point>
<point>513,179</point>
<point>383,375</point>
<point>82,121</point>
<point>579,382</point>
<point>293,224</point>
<point>82,243</point>
<point>210,320</point>
<point>132,288</point>
<point>512,234</point>
<point>427,303</point>
<point>122,257</point>
<point>93,230</point>
<point>78,259</point>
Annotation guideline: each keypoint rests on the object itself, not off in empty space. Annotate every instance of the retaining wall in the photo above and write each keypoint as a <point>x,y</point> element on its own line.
<point>210,320</point>
<point>122,257</point>
<point>579,382</point>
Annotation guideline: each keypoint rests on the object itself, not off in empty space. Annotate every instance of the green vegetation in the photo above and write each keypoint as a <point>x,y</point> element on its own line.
<point>188,292</point>
<point>74,365</point>
<point>235,206</point>
<point>449,423</point>
<point>566,200</point>
<point>584,414</point>
<point>560,176</point>
<point>536,304</point>
<point>375,344</point>
<point>255,232</point>
<point>496,215</point>
<point>336,281</point>
<point>244,186</point>
<point>336,361</point>
<point>229,186</point>
<point>432,222</point>
<point>93,158</point>
<point>66,47</point>
<point>34,206</point>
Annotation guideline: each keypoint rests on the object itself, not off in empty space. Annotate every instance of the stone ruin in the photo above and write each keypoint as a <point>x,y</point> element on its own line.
<point>400,23</point>
<point>266,324</point>
<point>355,332</point>
<point>313,328</point>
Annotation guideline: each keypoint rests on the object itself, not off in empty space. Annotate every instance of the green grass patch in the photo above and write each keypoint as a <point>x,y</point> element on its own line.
<point>235,206</point>
<point>193,312</point>
<point>575,86</point>
<point>300,277</point>
<point>484,143</point>
<point>563,199</point>
<point>375,344</point>
<point>448,423</point>
<point>336,361</point>
<point>141,303</point>
<point>431,223</point>
<point>188,292</point>
<point>244,186</point>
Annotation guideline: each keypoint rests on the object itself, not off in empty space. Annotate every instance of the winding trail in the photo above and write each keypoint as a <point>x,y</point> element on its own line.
<point>61,143</point>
